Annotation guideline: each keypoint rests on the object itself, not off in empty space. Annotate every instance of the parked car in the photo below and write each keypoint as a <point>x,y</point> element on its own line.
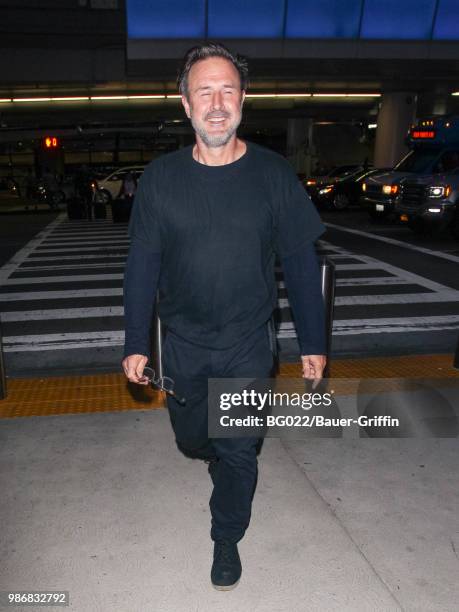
<point>340,188</point>
<point>110,185</point>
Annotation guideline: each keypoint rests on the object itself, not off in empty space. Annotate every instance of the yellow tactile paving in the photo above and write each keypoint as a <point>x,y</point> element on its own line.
<point>111,392</point>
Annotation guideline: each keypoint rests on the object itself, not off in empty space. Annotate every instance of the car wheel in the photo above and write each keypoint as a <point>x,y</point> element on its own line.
<point>340,201</point>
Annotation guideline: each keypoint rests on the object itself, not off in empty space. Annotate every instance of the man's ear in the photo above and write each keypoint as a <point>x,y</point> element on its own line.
<point>186,106</point>
<point>242,97</point>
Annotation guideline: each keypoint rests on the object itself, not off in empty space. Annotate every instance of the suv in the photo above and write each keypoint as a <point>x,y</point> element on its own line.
<point>110,186</point>
<point>432,201</point>
<point>432,142</point>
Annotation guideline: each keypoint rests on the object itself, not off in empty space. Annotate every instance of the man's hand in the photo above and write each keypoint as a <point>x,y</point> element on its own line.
<point>313,367</point>
<point>133,366</point>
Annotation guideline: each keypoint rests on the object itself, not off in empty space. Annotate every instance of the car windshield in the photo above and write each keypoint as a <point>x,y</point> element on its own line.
<point>344,170</point>
<point>417,161</point>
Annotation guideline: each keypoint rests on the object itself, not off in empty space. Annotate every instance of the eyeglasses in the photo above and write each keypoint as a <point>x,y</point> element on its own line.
<point>164,383</point>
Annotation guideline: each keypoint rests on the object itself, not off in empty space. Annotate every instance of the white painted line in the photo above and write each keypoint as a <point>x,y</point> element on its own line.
<point>376,300</point>
<point>62,313</point>
<point>97,266</point>
<point>23,253</point>
<point>410,277</point>
<point>360,266</point>
<point>73,258</point>
<point>382,325</point>
<point>84,244</point>
<point>395,325</point>
<point>362,281</point>
<point>81,230</point>
<point>98,240</point>
<point>60,295</point>
<point>67,341</point>
<point>399,243</point>
<point>73,238</point>
<point>71,278</point>
<point>78,250</point>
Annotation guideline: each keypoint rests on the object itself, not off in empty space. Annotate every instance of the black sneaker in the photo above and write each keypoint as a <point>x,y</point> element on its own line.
<point>212,466</point>
<point>226,568</point>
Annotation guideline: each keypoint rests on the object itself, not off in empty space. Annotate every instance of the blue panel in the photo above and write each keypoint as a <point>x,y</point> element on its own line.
<point>323,18</point>
<point>447,22</point>
<point>398,19</point>
<point>166,18</point>
<point>245,18</point>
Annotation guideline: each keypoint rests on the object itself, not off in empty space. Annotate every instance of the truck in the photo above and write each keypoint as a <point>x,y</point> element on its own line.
<point>421,190</point>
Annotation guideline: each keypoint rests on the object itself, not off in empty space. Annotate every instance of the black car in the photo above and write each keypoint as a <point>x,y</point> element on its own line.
<point>340,188</point>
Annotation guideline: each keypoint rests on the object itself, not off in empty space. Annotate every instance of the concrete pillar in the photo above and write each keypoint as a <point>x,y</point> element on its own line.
<point>300,146</point>
<point>395,116</point>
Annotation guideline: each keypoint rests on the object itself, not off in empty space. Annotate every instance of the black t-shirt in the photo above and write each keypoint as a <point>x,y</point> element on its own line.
<point>218,229</point>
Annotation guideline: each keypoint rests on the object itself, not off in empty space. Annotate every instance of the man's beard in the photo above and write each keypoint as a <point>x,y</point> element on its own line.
<point>216,140</point>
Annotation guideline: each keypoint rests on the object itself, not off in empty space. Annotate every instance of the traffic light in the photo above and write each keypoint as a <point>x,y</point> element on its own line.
<point>51,142</point>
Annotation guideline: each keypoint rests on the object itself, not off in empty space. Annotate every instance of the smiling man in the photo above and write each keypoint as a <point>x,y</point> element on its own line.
<point>207,223</point>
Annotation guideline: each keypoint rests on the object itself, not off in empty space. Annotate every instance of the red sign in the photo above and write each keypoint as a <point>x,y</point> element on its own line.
<point>423,134</point>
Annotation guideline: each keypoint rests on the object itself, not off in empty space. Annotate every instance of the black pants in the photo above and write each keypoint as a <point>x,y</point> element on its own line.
<point>190,366</point>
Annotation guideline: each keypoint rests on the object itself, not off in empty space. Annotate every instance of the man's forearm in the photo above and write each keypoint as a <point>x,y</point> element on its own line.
<point>303,283</point>
<point>140,286</point>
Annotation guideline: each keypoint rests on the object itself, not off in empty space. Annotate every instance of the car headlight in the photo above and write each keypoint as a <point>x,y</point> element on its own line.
<point>364,186</point>
<point>326,190</point>
<point>390,189</point>
<point>439,191</point>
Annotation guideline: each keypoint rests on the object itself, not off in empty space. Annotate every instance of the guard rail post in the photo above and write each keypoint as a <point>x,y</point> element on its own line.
<point>157,343</point>
<point>3,392</point>
<point>328,280</point>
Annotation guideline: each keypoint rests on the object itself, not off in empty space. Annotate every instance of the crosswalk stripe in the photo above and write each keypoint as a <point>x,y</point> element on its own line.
<point>388,325</point>
<point>38,280</point>
<point>62,313</point>
<point>391,298</point>
<point>362,281</point>
<point>75,257</point>
<point>98,266</point>
<point>96,241</point>
<point>59,295</point>
<point>40,342</point>
<point>79,250</point>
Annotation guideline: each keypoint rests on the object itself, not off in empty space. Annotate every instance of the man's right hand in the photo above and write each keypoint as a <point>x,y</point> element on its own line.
<point>133,366</point>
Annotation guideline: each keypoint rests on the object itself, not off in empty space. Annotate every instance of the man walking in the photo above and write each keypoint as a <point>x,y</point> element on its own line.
<point>207,223</point>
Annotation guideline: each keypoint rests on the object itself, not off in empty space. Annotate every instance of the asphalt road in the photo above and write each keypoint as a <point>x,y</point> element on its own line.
<point>61,291</point>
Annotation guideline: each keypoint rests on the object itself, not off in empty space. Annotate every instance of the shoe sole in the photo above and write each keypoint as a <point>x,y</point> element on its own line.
<point>229,587</point>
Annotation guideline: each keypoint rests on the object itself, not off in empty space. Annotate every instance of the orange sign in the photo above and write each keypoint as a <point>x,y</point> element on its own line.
<point>51,142</point>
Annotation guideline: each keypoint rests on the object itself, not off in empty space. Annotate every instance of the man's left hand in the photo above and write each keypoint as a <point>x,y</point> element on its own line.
<point>313,367</point>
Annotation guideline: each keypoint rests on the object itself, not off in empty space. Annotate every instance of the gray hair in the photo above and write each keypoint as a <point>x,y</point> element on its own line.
<point>210,49</point>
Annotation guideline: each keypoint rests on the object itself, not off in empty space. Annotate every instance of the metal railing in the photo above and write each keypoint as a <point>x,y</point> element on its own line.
<point>3,391</point>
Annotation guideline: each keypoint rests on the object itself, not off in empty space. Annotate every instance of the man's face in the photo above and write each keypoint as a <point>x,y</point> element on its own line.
<point>214,102</point>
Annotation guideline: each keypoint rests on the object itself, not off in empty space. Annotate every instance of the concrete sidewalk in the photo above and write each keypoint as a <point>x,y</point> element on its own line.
<point>104,506</point>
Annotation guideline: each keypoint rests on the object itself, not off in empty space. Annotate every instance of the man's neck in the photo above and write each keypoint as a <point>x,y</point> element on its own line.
<point>219,156</point>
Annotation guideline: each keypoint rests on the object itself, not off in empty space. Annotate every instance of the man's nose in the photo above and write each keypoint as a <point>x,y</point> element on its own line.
<point>217,100</point>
